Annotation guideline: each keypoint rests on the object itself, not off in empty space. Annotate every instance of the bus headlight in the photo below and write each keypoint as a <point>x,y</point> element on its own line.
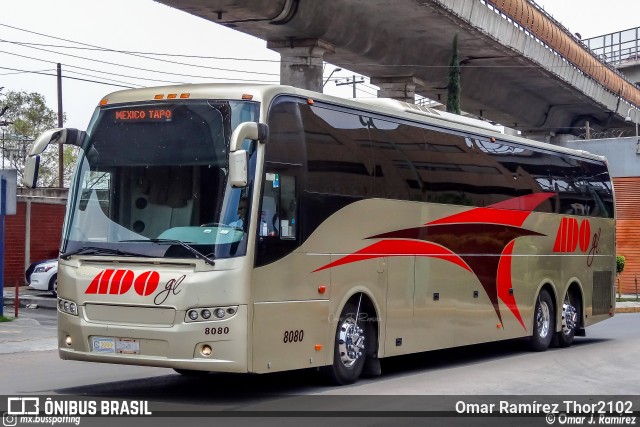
<point>67,306</point>
<point>210,313</point>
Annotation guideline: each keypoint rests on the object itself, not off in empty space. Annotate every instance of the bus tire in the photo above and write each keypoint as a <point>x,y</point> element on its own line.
<point>543,322</point>
<point>349,348</point>
<point>570,320</point>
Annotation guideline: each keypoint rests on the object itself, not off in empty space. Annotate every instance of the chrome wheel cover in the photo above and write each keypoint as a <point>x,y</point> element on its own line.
<point>350,342</point>
<point>543,319</point>
<point>569,318</point>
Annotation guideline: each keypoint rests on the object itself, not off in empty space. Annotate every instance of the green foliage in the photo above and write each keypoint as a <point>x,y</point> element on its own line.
<point>28,116</point>
<point>454,88</point>
<point>620,261</point>
<point>5,319</point>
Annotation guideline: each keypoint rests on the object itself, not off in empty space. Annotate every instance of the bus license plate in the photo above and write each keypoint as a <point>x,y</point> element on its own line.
<point>115,345</point>
<point>127,346</point>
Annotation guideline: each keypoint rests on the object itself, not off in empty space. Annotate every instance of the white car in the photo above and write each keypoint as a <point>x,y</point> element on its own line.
<point>45,276</point>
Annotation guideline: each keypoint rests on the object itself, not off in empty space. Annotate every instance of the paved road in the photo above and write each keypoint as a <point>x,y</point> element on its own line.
<point>605,362</point>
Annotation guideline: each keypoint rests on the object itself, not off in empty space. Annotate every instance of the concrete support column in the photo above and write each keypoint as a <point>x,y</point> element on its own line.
<point>402,88</point>
<point>301,61</point>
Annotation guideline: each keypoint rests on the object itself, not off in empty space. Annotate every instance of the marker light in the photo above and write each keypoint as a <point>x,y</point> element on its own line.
<point>185,95</point>
<point>219,313</point>
<point>103,101</point>
<point>205,313</point>
<point>172,96</point>
<point>193,315</point>
<point>247,97</point>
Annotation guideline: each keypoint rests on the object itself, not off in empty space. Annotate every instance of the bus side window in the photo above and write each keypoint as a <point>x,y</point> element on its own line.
<point>286,220</point>
<point>278,214</point>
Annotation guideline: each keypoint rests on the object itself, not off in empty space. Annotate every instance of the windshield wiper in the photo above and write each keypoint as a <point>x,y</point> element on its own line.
<point>191,249</point>
<point>95,250</point>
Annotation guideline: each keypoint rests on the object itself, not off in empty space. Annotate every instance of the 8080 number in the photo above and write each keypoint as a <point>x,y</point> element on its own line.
<point>293,336</point>
<point>216,331</point>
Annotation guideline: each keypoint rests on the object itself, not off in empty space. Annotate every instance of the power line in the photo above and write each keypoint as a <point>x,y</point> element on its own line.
<point>66,77</point>
<point>176,55</point>
<point>137,68</point>
<point>123,52</point>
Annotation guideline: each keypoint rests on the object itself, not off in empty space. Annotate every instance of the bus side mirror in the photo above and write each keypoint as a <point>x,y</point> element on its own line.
<point>51,136</point>
<point>238,175</point>
<point>238,158</point>
<point>30,174</point>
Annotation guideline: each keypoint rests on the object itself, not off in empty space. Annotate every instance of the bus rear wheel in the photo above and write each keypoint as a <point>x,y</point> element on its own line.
<point>543,322</point>
<point>570,320</point>
<point>349,348</point>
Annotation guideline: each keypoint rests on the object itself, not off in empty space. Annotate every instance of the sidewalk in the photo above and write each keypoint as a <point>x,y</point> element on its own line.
<point>27,296</point>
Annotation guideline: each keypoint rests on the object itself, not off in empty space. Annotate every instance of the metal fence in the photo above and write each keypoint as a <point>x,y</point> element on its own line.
<point>617,48</point>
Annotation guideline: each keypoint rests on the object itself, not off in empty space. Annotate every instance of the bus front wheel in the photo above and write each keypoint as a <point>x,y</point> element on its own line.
<point>349,348</point>
<point>543,322</point>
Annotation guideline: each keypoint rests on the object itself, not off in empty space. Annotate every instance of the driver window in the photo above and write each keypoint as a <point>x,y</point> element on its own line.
<point>278,226</point>
<point>278,213</point>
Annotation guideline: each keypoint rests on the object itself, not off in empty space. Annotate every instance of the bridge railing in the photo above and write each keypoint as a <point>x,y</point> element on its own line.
<point>617,48</point>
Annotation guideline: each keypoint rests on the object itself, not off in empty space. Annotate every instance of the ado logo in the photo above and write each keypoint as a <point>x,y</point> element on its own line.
<point>118,282</point>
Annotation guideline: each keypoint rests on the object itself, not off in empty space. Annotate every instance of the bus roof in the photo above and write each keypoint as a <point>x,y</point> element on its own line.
<point>266,93</point>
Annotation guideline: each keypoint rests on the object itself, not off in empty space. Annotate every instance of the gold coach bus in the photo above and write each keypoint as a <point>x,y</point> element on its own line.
<point>242,228</point>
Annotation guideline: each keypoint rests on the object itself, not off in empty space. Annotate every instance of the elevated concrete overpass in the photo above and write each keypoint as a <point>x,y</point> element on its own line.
<point>510,74</point>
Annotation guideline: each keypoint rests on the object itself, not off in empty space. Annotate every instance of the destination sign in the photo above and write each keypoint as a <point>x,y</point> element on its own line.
<point>143,115</point>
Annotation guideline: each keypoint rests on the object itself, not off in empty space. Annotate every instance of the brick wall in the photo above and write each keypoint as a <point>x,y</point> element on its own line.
<point>47,209</point>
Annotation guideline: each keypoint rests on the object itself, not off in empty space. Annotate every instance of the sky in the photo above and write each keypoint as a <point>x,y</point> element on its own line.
<point>37,34</point>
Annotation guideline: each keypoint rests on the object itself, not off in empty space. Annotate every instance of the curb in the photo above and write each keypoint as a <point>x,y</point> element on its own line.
<point>23,303</point>
<point>627,310</point>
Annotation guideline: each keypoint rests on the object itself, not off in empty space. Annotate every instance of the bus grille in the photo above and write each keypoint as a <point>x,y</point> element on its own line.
<point>129,315</point>
<point>602,286</point>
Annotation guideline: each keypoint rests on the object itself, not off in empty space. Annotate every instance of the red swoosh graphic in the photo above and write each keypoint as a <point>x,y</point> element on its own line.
<point>399,248</point>
<point>462,229</point>
<point>504,282</point>
<point>509,212</point>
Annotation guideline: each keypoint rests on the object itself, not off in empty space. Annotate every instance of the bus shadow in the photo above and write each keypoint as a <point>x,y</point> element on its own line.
<point>221,389</point>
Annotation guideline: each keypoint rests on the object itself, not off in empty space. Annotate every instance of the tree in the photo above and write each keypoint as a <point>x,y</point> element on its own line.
<point>25,117</point>
<point>453,88</point>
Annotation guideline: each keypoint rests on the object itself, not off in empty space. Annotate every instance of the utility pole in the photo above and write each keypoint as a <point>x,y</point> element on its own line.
<point>353,82</point>
<point>60,114</point>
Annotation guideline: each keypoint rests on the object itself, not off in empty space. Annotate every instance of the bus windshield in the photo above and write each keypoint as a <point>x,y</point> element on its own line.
<point>152,181</point>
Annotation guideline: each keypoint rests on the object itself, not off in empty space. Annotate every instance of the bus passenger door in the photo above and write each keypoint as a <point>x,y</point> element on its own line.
<point>399,336</point>
<point>434,303</point>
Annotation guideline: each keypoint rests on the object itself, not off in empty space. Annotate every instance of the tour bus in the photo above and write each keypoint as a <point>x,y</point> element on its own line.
<point>264,228</point>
